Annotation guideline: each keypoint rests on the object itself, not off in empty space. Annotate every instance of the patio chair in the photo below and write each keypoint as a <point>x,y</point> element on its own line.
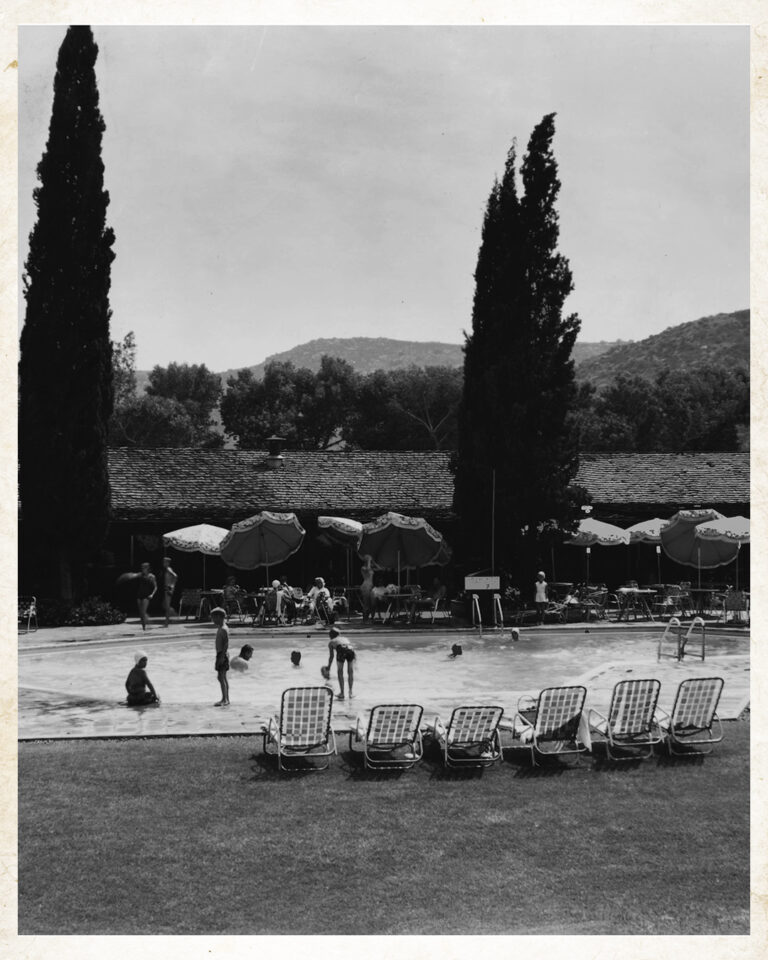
<point>593,605</point>
<point>471,737</point>
<point>550,723</point>
<point>234,601</point>
<point>340,603</point>
<point>27,610</point>
<point>392,739</point>
<point>693,716</point>
<point>630,724</point>
<point>191,599</point>
<point>735,602</point>
<point>271,610</point>
<point>304,728</point>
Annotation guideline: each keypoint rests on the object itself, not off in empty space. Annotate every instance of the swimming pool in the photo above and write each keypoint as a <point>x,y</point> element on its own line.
<point>77,691</point>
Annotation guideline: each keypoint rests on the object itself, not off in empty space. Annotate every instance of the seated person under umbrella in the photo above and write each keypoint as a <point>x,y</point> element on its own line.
<point>428,601</point>
<point>318,602</point>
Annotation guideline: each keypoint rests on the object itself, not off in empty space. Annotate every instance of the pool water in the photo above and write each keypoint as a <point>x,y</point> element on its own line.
<point>65,689</point>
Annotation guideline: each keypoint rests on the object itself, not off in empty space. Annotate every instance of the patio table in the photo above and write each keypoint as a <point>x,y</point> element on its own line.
<point>397,604</point>
<point>702,598</point>
<point>636,601</point>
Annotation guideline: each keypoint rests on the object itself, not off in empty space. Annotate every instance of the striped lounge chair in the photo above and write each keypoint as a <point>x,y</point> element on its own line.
<point>471,737</point>
<point>392,738</point>
<point>303,731</point>
<point>550,723</point>
<point>694,720</point>
<point>630,726</point>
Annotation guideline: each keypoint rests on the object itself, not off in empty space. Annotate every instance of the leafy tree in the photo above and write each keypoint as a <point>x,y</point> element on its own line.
<point>153,422</point>
<point>124,369</point>
<point>685,410</point>
<point>514,424</point>
<point>308,409</point>
<point>193,385</point>
<point>65,370</point>
<point>626,416</point>
<point>702,408</point>
<point>412,409</point>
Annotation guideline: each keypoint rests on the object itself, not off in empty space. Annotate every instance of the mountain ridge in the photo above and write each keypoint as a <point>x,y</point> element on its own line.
<point>720,338</point>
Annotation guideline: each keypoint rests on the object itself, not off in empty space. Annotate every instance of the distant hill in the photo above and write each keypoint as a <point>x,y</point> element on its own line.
<point>367,354</point>
<point>722,339</point>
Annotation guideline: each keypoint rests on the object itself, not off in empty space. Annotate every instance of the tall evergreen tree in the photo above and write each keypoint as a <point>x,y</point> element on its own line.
<point>515,428</point>
<point>65,370</point>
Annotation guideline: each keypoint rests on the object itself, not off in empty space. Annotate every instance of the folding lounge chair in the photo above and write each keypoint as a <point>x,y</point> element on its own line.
<point>631,723</point>
<point>693,716</point>
<point>304,728</point>
<point>550,724</point>
<point>392,739</point>
<point>471,737</point>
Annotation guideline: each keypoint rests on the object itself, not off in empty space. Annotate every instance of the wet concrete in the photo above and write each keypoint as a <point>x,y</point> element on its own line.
<point>71,683</point>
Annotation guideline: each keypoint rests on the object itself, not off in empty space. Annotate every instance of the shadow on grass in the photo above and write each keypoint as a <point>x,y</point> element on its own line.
<point>265,767</point>
<point>694,758</point>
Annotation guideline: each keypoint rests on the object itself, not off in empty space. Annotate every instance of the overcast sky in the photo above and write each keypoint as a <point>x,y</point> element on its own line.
<point>272,185</point>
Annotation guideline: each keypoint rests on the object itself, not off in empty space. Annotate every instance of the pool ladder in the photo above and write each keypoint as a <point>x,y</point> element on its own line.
<point>498,616</point>
<point>681,640</point>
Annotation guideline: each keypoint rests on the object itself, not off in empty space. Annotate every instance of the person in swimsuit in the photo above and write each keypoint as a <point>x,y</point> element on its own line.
<point>170,577</point>
<point>146,589</point>
<point>138,684</point>
<point>366,587</point>
<point>540,596</point>
<point>341,648</point>
<point>240,662</point>
<point>219,616</point>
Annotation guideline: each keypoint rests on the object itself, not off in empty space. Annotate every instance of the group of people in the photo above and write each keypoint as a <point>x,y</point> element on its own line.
<point>375,599</point>
<point>146,588</point>
<point>141,692</point>
<point>286,603</point>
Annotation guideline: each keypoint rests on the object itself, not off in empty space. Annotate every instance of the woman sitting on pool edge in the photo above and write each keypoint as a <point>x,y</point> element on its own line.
<point>345,653</point>
<point>138,682</point>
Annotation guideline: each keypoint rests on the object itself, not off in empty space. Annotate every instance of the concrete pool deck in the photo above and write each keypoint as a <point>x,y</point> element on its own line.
<point>71,679</point>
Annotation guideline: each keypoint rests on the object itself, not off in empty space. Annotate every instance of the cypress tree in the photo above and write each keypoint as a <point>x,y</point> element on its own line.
<point>515,426</point>
<point>65,369</point>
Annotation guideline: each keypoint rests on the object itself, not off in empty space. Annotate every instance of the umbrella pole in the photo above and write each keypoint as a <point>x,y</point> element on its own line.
<point>698,555</point>
<point>203,573</point>
<point>738,551</point>
<point>587,583</point>
<point>398,571</point>
<point>658,564</point>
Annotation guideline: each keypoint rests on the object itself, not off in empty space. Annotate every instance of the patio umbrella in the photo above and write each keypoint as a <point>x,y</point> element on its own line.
<point>343,532</point>
<point>396,541</point>
<point>727,530</point>
<point>340,530</point>
<point>649,531</point>
<point>202,538</point>
<point>262,540</point>
<point>592,532</point>
<point>680,543</point>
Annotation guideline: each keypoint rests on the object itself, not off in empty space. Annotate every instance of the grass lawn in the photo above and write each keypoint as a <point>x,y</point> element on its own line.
<point>202,836</point>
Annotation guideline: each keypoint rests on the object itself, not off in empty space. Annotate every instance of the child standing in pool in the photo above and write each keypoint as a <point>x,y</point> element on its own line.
<point>219,615</point>
<point>344,653</point>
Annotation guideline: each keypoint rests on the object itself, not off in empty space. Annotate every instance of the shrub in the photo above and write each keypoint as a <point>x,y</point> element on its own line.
<point>53,613</point>
<point>95,612</point>
<point>92,612</point>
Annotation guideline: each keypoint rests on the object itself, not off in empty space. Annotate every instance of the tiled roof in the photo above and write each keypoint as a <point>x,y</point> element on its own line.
<point>182,482</point>
<point>162,484</point>
<point>684,479</point>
